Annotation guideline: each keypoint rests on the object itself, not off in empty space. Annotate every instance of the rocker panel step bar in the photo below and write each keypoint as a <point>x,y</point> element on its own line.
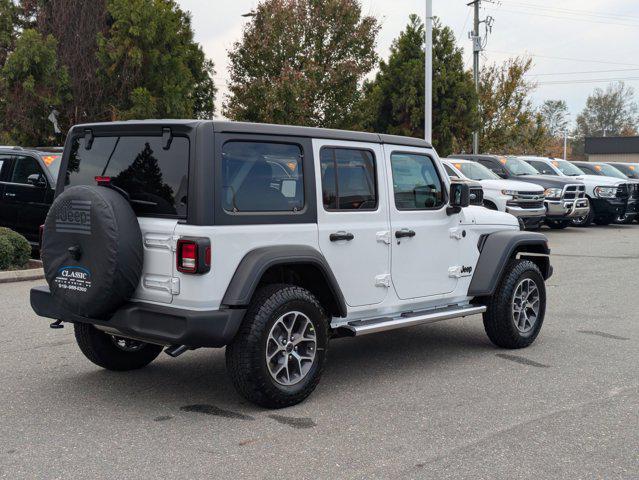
<point>411,319</point>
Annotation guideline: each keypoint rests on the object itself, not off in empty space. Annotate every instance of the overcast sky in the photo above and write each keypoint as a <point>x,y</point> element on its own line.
<point>568,39</point>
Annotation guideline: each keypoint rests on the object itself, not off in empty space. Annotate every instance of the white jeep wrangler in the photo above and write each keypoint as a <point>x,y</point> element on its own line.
<point>270,240</point>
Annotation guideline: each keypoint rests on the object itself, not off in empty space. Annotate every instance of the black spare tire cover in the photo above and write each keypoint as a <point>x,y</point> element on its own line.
<point>92,250</point>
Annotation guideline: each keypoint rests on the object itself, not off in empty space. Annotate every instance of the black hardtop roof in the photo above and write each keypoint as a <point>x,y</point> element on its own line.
<point>265,129</point>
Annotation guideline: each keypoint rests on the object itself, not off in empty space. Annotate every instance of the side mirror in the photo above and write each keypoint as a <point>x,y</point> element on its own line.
<point>459,198</point>
<point>37,180</point>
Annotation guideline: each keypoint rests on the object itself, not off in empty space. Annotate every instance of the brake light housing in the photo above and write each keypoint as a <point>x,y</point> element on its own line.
<point>193,255</point>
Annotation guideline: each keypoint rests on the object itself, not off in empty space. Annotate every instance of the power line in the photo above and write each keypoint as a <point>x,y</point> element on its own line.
<point>591,60</point>
<point>582,72</point>
<point>575,19</point>
<point>579,13</point>
<point>591,80</point>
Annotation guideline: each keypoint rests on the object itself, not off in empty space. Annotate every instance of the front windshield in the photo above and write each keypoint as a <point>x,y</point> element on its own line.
<point>631,170</point>
<point>52,161</point>
<point>518,167</point>
<point>567,168</point>
<point>609,171</point>
<point>475,171</point>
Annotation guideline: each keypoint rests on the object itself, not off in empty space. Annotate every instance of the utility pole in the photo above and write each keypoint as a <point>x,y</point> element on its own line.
<point>478,46</point>
<point>428,87</point>
<point>476,50</point>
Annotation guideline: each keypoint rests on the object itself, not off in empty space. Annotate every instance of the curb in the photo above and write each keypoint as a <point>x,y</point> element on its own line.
<point>24,275</point>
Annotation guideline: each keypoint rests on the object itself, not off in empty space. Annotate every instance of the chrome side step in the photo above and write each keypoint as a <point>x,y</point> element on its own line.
<point>364,327</point>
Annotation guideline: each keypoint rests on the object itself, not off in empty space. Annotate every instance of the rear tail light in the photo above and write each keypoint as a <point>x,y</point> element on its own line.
<point>193,255</point>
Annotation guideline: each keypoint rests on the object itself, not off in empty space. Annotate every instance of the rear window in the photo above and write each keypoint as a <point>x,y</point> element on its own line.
<point>155,179</point>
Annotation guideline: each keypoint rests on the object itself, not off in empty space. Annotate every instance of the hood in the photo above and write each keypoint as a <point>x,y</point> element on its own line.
<point>511,185</point>
<point>548,181</point>
<point>601,181</point>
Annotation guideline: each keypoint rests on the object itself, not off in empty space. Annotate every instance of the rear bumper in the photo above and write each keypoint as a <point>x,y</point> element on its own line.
<point>567,209</point>
<point>152,323</point>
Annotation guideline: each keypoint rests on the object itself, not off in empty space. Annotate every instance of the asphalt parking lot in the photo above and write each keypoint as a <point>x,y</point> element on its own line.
<point>437,401</point>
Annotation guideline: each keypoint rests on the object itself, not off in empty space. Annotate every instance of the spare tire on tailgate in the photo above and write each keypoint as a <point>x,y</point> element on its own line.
<point>92,250</point>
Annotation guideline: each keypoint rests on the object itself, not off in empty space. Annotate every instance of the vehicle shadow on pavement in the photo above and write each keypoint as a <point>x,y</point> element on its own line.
<point>199,379</point>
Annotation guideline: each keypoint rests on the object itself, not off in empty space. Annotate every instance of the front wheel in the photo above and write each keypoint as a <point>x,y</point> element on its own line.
<point>114,353</point>
<point>276,359</point>
<point>625,219</point>
<point>516,311</point>
<point>584,221</point>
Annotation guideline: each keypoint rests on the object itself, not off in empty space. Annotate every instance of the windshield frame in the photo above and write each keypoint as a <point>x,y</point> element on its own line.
<point>490,174</point>
<point>557,164</point>
<point>508,162</point>
<point>606,170</point>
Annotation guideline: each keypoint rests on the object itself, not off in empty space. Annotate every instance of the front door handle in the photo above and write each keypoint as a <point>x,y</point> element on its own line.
<point>405,233</point>
<point>339,236</point>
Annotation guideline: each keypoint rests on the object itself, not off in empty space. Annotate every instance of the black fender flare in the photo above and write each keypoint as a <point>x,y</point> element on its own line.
<point>255,263</point>
<point>496,251</point>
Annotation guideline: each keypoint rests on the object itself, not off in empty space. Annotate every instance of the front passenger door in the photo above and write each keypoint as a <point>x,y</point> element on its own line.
<point>26,201</point>
<point>425,239</point>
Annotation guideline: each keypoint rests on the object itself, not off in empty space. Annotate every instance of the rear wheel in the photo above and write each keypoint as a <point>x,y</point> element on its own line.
<point>516,311</point>
<point>114,353</point>
<point>277,357</point>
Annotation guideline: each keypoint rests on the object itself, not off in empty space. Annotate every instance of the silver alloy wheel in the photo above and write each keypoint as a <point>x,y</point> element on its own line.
<point>126,344</point>
<point>525,305</point>
<point>290,348</point>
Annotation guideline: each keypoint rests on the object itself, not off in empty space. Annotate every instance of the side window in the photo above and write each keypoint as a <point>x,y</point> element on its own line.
<point>348,179</point>
<point>262,177</point>
<point>23,168</point>
<point>451,173</point>
<point>4,165</point>
<point>542,168</point>
<point>416,182</point>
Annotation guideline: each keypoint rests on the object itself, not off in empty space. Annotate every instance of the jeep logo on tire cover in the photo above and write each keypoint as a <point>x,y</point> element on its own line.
<point>74,216</point>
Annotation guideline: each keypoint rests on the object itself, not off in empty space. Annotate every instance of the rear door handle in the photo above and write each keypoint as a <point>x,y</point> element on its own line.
<point>405,233</point>
<point>339,236</point>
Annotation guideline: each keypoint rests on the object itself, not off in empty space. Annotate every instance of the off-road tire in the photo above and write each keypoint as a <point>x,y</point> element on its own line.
<point>587,222</point>
<point>558,224</point>
<point>99,347</point>
<point>246,355</point>
<point>498,319</point>
<point>605,220</point>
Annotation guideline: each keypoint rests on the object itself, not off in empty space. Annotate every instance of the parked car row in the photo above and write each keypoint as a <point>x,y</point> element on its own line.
<point>556,192</point>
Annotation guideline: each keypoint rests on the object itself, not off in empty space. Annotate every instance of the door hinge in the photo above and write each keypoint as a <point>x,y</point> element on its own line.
<point>166,284</point>
<point>165,242</point>
<point>383,280</point>
<point>457,233</point>
<point>384,237</point>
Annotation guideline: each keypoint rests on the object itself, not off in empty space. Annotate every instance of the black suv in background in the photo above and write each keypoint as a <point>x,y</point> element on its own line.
<point>562,194</point>
<point>27,187</point>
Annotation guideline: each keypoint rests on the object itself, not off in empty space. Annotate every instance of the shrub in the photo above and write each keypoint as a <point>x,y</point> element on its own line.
<point>15,250</point>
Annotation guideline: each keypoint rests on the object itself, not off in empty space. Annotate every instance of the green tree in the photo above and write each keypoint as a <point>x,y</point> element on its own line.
<point>149,64</point>
<point>509,122</point>
<point>394,101</point>
<point>301,62</point>
<point>32,83</point>
<point>555,115</point>
<point>8,21</point>
<point>610,112</point>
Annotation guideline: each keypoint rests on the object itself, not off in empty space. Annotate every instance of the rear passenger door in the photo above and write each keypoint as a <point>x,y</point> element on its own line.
<point>353,219</point>
<point>5,219</point>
